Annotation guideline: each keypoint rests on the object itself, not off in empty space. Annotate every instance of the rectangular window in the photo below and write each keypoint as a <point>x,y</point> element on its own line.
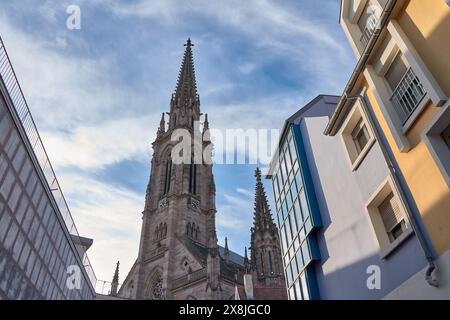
<point>360,136</point>
<point>407,90</point>
<point>392,217</point>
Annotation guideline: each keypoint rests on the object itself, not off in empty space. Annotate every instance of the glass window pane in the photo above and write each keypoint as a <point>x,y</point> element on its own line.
<point>283,239</point>
<point>299,180</point>
<point>295,167</point>
<point>298,213</point>
<point>293,224</point>
<point>288,200</point>
<point>304,287</point>
<point>289,275</point>
<point>305,253</point>
<point>308,225</point>
<point>298,292</point>
<point>287,158</point>
<point>299,258</point>
<point>292,293</point>
<point>304,205</point>
<point>289,229</point>
<point>294,268</point>
<point>292,147</point>
<point>302,234</point>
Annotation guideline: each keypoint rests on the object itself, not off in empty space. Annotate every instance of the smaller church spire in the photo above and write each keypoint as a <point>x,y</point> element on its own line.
<point>262,218</point>
<point>115,282</point>
<point>162,126</point>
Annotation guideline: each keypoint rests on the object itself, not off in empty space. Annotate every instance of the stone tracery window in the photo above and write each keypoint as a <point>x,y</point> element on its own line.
<point>155,290</point>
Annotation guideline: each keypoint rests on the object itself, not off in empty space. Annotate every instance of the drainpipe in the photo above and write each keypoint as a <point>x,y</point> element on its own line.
<point>412,218</point>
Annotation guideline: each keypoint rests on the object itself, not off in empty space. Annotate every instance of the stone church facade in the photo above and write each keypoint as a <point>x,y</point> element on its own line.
<point>179,257</point>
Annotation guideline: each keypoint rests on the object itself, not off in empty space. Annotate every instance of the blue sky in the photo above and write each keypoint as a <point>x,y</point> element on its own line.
<point>97,94</point>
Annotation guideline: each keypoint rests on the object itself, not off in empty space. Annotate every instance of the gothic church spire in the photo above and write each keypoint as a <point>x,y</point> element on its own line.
<point>262,218</point>
<point>186,84</point>
<point>185,102</point>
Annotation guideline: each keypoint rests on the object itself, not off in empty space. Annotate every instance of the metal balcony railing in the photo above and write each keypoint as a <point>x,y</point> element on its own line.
<point>407,95</point>
<point>20,105</point>
<point>368,30</point>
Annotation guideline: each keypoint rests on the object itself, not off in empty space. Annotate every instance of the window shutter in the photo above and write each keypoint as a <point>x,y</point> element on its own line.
<point>390,212</point>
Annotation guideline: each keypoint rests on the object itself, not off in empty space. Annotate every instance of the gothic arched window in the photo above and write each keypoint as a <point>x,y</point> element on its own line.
<point>270,262</point>
<point>192,177</point>
<point>197,231</point>
<point>262,262</point>
<point>165,230</point>
<point>160,230</point>
<point>188,229</point>
<point>193,231</point>
<point>167,176</point>
<point>155,289</point>
<point>174,120</point>
<point>156,233</point>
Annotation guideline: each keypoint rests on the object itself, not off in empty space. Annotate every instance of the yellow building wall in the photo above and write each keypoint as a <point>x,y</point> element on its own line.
<point>423,177</point>
<point>427,25</point>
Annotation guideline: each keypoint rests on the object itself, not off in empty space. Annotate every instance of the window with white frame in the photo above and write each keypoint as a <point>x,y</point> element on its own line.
<point>388,218</point>
<point>356,135</point>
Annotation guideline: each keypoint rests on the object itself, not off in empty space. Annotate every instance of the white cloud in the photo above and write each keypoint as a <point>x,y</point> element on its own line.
<point>245,192</point>
<point>111,216</point>
<point>97,146</point>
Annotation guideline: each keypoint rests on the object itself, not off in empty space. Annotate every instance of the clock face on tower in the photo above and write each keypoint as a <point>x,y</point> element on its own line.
<point>163,203</point>
<point>195,204</point>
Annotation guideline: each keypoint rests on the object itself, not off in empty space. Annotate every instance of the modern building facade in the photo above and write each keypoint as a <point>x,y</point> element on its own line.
<point>403,77</point>
<point>41,254</point>
<point>345,229</point>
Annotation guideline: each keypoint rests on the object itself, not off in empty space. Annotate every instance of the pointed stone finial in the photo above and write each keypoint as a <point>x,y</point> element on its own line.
<point>206,123</point>
<point>226,251</point>
<point>189,43</point>
<point>162,126</point>
<point>258,174</point>
<point>115,281</point>
<point>246,262</point>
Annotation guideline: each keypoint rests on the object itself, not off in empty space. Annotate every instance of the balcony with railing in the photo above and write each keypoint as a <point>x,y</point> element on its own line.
<point>368,30</point>
<point>407,95</point>
<point>8,76</point>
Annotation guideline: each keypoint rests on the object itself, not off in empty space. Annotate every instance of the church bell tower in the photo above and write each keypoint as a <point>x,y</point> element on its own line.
<point>178,236</point>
